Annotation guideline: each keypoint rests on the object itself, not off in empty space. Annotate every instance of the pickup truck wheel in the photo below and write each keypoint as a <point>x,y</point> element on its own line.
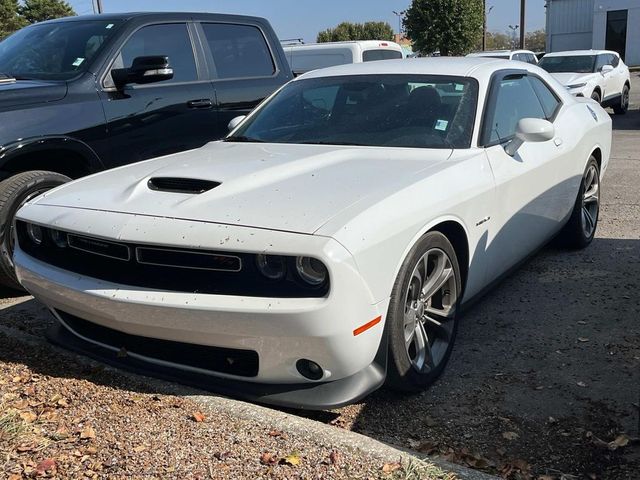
<point>624,102</point>
<point>14,192</point>
<point>422,314</point>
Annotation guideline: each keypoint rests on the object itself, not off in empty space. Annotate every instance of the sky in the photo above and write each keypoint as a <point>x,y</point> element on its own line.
<point>305,18</point>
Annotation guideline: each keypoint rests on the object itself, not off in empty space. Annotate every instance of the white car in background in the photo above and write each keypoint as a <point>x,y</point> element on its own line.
<point>305,57</point>
<point>526,56</point>
<point>597,74</point>
<point>327,244</point>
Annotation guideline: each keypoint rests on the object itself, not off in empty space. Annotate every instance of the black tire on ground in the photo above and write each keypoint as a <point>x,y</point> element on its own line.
<point>14,191</point>
<point>402,374</point>
<point>574,235</point>
<point>624,102</point>
<point>596,96</point>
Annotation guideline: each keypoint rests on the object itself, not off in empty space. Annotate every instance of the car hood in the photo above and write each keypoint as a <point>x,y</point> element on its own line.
<point>29,92</point>
<point>295,188</point>
<point>573,78</point>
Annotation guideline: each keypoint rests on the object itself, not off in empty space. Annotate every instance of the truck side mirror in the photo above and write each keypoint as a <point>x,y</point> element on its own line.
<point>143,70</point>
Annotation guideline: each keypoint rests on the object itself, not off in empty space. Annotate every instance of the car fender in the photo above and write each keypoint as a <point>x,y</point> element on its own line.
<point>31,145</point>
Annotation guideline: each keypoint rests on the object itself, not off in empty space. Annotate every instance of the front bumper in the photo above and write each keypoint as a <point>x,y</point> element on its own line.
<point>280,330</point>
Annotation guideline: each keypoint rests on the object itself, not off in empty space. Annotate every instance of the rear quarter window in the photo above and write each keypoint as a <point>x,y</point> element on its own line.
<point>373,55</point>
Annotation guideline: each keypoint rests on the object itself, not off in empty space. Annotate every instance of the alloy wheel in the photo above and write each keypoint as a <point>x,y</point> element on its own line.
<point>429,310</point>
<point>590,200</point>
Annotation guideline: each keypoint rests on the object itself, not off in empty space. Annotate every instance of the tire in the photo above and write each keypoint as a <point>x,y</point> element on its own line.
<point>411,314</point>
<point>581,228</point>
<point>596,96</point>
<point>14,192</point>
<point>624,102</point>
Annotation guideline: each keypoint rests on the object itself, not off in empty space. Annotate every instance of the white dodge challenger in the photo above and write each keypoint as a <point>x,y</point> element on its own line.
<point>328,244</point>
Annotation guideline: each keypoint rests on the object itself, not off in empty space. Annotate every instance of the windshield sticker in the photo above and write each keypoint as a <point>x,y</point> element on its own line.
<point>109,26</point>
<point>441,125</point>
<point>459,87</point>
<point>78,61</point>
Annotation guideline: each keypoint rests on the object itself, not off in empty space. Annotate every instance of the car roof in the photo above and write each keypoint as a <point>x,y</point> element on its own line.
<point>149,15</point>
<point>488,53</point>
<point>349,43</point>
<point>572,53</point>
<point>453,66</point>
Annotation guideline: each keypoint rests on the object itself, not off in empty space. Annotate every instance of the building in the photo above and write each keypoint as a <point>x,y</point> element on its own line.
<point>598,24</point>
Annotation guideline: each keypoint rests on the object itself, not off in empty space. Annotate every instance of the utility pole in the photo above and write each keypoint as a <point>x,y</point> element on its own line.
<point>99,4</point>
<point>523,6</point>
<point>485,13</point>
<point>513,29</point>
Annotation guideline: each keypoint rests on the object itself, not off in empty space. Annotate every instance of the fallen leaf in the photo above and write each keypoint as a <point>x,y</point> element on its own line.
<point>222,456</point>
<point>391,467</point>
<point>268,458</point>
<point>581,384</point>
<point>275,433</point>
<point>60,434</point>
<point>198,417</point>
<point>583,339</point>
<point>25,447</point>
<point>334,457</point>
<point>15,476</point>
<point>552,420</point>
<point>28,417</point>
<point>510,435</point>
<point>619,442</point>
<point>140,448</point>
<point>88,432</point>
<point>292,459</point>
<point>91,450</point>
<point>46,465</point>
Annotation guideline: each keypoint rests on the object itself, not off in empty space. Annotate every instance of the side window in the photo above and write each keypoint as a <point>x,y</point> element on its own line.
<point>516,56</point>
<point>171,40</point>
<point>601,61</point>
<point>239,51</point>
<point>614,60</point>
<point>547,98</point>
<point>532,58</point>
<point>515,100</point>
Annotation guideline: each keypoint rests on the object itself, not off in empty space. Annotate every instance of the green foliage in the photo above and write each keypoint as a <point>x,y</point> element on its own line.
<point>357,31</point>
<point>40,10</point>
<point>452,27</point>
<point>10,21</point>
<point>536,41</point>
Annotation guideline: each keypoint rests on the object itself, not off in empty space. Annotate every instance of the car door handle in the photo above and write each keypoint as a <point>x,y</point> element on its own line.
<point>200,103</point>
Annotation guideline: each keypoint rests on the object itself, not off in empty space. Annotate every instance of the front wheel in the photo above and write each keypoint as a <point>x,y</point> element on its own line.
<point>595,96</point>
<point>581,227</point>
<point>624,102</point>
<point>15,192</point>
<point>422,314</point>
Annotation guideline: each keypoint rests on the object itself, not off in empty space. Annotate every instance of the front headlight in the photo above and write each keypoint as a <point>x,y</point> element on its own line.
<point>273,267</point>
<point>35,233</point>
<point>576,85</point>
<point>311,270</point>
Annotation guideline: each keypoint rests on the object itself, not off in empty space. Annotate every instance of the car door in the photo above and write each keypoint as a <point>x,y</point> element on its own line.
<point>529,191</point>
<point>618,74</point>
<point>146,121</point>
<point>608,79</point>
<point>242,66</point>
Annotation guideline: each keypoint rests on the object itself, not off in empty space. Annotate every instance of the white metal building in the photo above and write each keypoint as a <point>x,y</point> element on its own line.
<point>598,24</point>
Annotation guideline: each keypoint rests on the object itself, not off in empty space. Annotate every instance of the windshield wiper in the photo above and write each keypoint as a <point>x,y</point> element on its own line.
<point>320,142</point>
<point>243,138</point>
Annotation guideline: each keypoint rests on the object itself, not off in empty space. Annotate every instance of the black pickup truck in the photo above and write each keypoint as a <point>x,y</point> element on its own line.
<point>83,94</point>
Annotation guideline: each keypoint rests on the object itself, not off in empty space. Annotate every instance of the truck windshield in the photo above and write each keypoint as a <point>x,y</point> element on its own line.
<point>394,110</point>
<point>54,51</point>
<point>569,64</point>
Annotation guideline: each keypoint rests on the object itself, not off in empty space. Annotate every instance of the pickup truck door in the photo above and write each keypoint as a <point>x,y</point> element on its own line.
<point>243,67</point>
<point>532,197</point>
<point>151,120</point>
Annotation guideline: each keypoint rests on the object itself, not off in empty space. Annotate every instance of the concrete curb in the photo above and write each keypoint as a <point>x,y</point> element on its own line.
<point>267,417</point>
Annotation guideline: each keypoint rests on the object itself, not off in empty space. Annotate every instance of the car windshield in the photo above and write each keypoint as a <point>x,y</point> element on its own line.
<point>368,110</point>
<point>569,64</point>
<point>54,51</point>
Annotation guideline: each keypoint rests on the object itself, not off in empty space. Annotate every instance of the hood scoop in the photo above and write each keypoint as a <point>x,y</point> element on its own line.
<point>194,186</point>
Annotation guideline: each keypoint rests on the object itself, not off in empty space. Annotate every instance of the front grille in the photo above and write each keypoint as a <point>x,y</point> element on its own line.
<point>243,363</point>
<point>164,268</point>
<point>181,185</point>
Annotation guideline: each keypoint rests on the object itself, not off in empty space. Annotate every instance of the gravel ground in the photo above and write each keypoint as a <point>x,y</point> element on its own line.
<point>544,381</point>
<point>62,419</point>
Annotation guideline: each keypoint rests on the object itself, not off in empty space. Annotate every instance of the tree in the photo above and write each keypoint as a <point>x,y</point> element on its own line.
<point>40,10</point>
<point>536,41</point>
<point>451,26</point>
<point>357,31</point>
<point>10,21</point>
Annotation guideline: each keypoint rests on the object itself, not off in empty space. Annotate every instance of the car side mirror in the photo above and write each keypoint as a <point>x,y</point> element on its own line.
<point>606,69</point>
<point>143,70</point>
<point>530,130</point>
<point>235,122</point>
